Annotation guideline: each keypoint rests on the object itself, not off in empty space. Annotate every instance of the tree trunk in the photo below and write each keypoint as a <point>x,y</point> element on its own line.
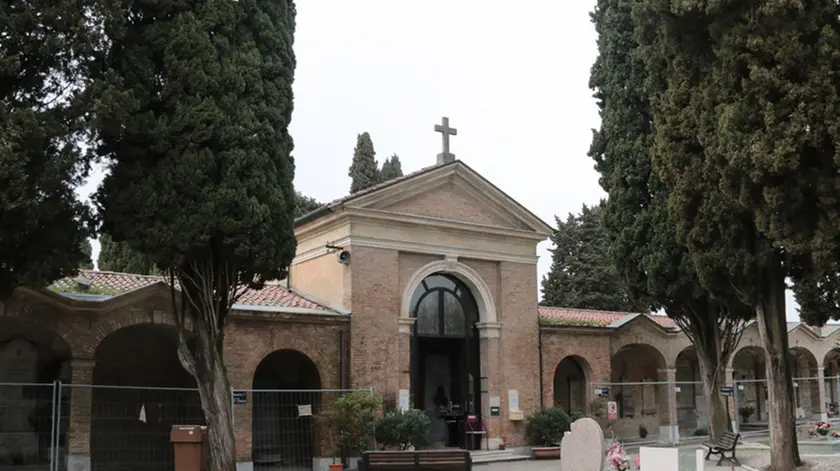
<point>208,369</point>
<point>216,403</point>
<point>712,376</point>
<point>772,327</point>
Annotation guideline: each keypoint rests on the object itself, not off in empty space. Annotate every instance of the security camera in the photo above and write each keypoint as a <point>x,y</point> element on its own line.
<point>344,257</point>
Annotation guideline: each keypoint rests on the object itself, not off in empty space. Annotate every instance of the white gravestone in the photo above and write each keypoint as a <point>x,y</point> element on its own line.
<point>659,459</point>
<point>582,449</point>
<point>18,439</point>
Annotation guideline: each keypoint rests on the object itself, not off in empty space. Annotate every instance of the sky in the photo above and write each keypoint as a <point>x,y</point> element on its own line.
<point>513,81</point>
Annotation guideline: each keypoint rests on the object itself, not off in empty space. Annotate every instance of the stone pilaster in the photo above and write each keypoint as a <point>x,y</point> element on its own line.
<point>732,402</point>
<point>489,334</point>
<point>823,398</point>
<point>81,399</point>
<point>405,325</point>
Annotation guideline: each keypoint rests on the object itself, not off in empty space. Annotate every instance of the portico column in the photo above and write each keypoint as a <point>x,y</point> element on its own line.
<point>78,431</point>
<point>731,403</point>
<point>672,430</point>
<point>823,401</point>
<point>406,326</point>
<point>489,334</point>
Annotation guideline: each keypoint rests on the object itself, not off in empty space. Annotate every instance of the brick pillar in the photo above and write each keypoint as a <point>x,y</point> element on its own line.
<point>669,429</point>
<point>78,431</point>
<point>242,431</point>
<point>489,334</point>
<point>242,382</point>
<point>823,399</point>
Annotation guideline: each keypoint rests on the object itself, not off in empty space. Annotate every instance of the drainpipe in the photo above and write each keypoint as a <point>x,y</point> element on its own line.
<point>342,358</point>
<point>540,352</point>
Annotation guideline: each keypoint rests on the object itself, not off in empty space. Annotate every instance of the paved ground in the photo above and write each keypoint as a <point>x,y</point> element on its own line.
<point>756,459</point>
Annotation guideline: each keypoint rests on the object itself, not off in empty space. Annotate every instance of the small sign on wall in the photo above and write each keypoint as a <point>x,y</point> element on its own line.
<point>494,411</point>
<point>602,392</point>
<point>240,397</point>
<point>513,399</point>
<point>305,410</point>
<point>404,399</point>
<point>612,410</point>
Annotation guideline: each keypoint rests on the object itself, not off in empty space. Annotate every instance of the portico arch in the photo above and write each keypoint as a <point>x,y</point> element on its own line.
<point>451,266</point>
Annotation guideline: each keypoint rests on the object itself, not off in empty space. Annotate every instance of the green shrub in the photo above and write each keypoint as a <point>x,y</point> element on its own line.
<point>403,429</point>
<point>597,407</point>
<point>350,423</point>
<point>545,427</point>
<point>701,432</point>
<point>576,415</point>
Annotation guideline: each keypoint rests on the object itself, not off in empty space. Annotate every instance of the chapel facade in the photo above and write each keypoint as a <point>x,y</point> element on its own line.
<point>422,289</point>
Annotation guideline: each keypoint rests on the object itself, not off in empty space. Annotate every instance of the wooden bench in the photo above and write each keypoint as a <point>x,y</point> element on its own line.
<point>433,460</point>
<point>725,444</point>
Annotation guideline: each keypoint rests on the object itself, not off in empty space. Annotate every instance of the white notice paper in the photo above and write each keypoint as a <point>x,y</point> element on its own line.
<point>404,403</point>
<point>305,410</point>
<point>513,399</point>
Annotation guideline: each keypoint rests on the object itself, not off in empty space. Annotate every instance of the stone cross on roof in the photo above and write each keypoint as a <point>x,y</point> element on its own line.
<point>446,131</point>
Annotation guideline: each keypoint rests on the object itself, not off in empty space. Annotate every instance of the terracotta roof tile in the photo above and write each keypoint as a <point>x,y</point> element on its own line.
<point>272,295</point>
<point>593,318</point>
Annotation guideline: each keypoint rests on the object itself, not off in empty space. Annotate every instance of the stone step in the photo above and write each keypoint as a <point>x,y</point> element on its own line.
<point>497,456</point>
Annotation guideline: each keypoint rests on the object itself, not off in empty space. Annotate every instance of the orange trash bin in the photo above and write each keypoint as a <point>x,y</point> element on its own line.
<point>190,446</point>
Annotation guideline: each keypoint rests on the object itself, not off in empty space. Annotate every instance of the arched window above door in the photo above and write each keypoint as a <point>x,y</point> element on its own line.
<point>444,307</point>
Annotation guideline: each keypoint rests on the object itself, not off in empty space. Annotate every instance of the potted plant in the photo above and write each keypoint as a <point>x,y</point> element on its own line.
<point>745,412</point>
<point>544,430</point>
<point>350,424</point>
<point>329,420</point>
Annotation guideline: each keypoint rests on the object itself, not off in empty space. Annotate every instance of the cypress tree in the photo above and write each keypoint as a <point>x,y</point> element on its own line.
<point>43,226</point>
<point>363,170</point>
<point>193,114</point>
<point>87,252</point>
<point>305,204</point>
<point>651,263</point>
<point>746,133</point>
<point>120,257</point>
<point>391,168</point>
<point>582,274</point>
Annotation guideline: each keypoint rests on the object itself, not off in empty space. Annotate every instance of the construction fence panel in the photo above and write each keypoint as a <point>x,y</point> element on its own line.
<point>28,433</point>
<point>128,428</point>
<point>635,413</point>
<point>287,433</point>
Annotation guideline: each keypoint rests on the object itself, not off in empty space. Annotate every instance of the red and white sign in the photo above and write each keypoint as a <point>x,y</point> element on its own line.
<point>612,410</point>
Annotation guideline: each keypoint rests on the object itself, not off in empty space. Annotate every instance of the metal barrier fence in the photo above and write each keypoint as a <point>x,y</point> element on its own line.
<point>118,428</point>
<point>670,413</point>
<point>285,432</point>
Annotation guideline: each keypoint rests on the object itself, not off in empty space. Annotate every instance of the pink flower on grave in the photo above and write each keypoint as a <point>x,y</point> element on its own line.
<point>638,464</point>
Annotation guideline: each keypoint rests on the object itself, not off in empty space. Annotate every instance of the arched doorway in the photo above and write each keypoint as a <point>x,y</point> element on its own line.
<point>692,412</point>
<point>750,374</point>
<point>31,358</point>
<point>282,437</point>
<point>806,386</point>
<point>571,383</point>
<point>445,368</point>
<point>640,390</point>
<point>140,391</point>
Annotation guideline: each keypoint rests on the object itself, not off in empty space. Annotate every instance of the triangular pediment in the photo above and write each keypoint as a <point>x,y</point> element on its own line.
<point>452,192</point>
